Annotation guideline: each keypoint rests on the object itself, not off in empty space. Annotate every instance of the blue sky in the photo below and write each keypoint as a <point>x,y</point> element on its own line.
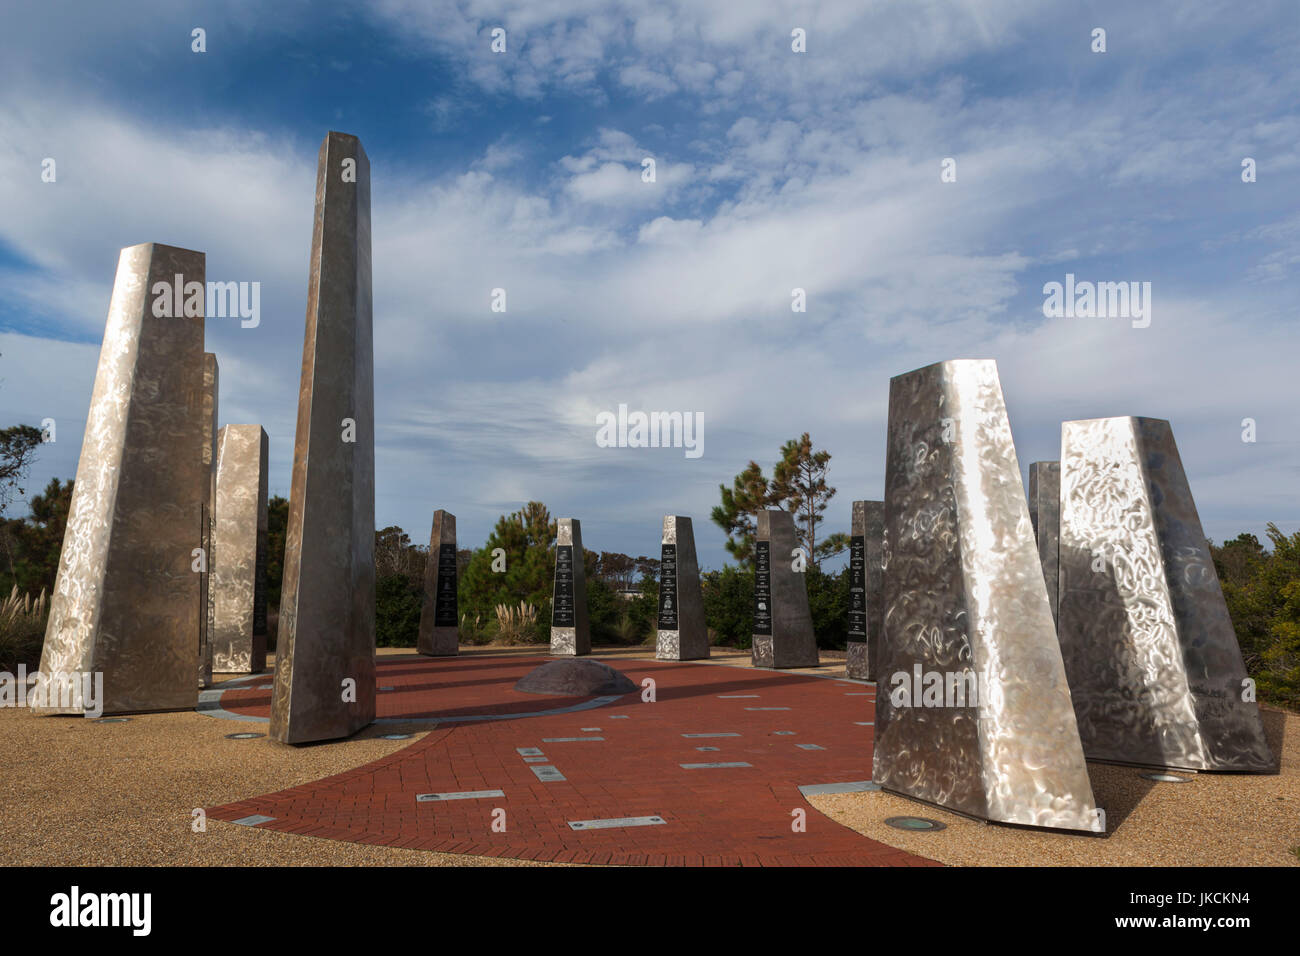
<point>775,170</point>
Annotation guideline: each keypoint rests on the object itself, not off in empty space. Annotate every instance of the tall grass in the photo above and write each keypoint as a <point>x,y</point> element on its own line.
<point>515,624</point>
<point>22,630</point>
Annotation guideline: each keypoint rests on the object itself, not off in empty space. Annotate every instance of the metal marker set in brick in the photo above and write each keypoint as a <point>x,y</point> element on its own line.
<point>716,814</point>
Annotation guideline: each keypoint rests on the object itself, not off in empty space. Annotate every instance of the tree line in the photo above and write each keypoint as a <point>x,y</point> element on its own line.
<point>514,568</point>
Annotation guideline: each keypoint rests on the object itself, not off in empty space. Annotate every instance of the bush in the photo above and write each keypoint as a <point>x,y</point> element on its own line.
<point>1262,591</point>
<point>474,631</point>
<point>397,611</point>
<point>729,605</point>
<point>828,602</point>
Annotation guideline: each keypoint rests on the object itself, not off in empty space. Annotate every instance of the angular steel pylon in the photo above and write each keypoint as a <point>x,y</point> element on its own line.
<point>973,711</point>
<point>1154,665</point>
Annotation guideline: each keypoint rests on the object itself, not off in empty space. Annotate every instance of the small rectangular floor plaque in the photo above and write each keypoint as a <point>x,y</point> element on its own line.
<point>706,748</point>
<point>529,751</point>
<point>534,760</point>
<point>767,708</point>
<point>736,696</point>
<point>713,766</point>
<point>616,822</point>
<point>254,821</point>
<point>460,795</point>
<point>859,786</point>
<point>865,723</point>
<point>711,735</point>
<point>809,747</point>
<point>567,740</point>
<point>547,773</point>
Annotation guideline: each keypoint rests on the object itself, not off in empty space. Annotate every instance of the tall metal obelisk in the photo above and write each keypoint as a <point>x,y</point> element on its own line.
<point>325,652</point>
<point>126,601</point>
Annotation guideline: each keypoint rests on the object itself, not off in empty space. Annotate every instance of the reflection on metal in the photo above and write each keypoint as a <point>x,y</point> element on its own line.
<point>325,652</point>
<point>239,579</point>
<point>682,634</point>
<point>966,609</point>
<point>1154,664</point>
<point>126,600</point>
<point>1045,513</point>
<point>439,616</point>
<point>570,630</point>
<point>783,631</point>
<point>866,533</point>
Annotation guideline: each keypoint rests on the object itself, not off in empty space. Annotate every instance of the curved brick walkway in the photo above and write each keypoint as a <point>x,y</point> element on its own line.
<point>790,730</point>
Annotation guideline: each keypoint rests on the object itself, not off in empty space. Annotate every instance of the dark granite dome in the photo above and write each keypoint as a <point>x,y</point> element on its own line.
<point>577,677</point>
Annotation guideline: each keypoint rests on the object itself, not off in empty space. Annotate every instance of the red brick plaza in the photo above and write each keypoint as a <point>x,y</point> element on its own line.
<point>558,760</point>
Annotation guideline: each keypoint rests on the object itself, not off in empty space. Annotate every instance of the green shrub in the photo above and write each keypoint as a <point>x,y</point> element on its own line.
<point>729,605</point>
<point>397,611</point>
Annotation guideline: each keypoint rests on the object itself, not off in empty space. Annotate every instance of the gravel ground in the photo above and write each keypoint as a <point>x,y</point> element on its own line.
<point>77,793</point>
<point>1213,820</point>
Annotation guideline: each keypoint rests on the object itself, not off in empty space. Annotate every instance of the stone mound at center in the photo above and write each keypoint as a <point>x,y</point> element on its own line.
<point>575,678</point>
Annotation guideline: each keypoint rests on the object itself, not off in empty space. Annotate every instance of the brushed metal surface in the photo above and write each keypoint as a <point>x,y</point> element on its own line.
<point>863,651</point>
<point>1154,664</point>
<point>1045,513</point>
<point>572,641</point>
<point>327,607</point>
<point>433,640</point>
<point>238,581</point>
<point>689,641</point>
<point>965,599</point>
<point>126,599</point>
<point>211,386</point>
<point>792,642</point>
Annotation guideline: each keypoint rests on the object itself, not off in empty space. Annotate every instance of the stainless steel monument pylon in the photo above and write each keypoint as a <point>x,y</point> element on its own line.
<point>973,712</point>
<point>325,650</point>
<point>1154,665</point>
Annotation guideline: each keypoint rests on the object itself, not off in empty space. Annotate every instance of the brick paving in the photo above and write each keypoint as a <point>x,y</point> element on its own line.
<point>725,816</point>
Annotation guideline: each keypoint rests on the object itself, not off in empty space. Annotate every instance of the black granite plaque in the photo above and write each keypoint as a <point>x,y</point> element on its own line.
<point>858,588</point>
<point>762,587</point>
<point>668,588</point>
<point>259,587</point>
<point>562,610</point>
<point>444,608</point>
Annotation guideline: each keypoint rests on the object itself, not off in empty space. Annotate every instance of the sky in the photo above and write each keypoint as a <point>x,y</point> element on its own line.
<point>820,170</point>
